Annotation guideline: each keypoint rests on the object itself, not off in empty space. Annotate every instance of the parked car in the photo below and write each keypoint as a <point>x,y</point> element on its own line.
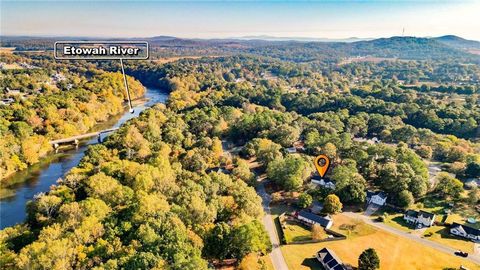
<point>461,253</point>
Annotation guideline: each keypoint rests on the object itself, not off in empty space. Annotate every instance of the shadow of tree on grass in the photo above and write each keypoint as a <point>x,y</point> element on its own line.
<point>312,263</point>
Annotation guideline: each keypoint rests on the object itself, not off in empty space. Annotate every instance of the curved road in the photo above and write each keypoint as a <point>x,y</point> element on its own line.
<point>276,255</point>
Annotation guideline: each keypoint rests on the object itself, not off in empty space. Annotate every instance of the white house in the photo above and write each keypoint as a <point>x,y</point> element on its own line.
<point>291,150</point>
<point>7,101</point>
<point>419,218</point>
<point>465,231</point>
<point>378,198</point>
<point>297,147</point>
<point>324,182</point>
<point>312,219</point>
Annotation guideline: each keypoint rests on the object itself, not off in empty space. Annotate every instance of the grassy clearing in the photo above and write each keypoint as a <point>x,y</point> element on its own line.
<point>394,220</point>
<point>433,205</point>
<point>296,232</point>
<point>395,252</point>
<point>443,236</point>
<point>352,228</point>
<point>440,234</point>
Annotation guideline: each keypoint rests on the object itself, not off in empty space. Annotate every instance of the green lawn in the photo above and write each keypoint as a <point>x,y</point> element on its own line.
<point>296,232</point>
<point>394,220</point>
<point>440,234</point>
<point>276,210</point>
<point>351,228</point>
<point>433,205</point>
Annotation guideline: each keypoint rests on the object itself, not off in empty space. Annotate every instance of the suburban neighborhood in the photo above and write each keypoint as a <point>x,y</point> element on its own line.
<point>240,135</point>
<point>296,226</point>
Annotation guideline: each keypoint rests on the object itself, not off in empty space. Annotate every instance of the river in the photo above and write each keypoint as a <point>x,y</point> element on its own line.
<point>41,176</point>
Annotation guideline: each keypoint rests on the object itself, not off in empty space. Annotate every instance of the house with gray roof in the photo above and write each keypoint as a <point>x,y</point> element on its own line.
<point>311,219</point>
<point>419,218</point>
<point>378,198</point>
<point>324,182</point>
<point>465,231</point>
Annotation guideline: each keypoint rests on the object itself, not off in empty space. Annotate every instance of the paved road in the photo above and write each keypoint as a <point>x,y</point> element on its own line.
<point>471,257</point>
<point>276,255</point>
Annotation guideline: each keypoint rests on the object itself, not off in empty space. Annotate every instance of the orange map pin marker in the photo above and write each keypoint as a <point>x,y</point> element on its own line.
<point>322,163</point>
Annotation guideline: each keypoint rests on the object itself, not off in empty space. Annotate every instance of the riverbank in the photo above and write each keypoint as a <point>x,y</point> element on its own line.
<point>17,177</point>
<point>24,185</point>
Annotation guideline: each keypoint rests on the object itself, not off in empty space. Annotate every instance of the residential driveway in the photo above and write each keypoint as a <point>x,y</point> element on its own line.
<point>419,232</point>
<point>471,257</point>
<point>371,209</point>
<point>276,254</point>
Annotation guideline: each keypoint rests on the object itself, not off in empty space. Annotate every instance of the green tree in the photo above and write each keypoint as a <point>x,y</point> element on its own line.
<point>368,260</point>
<point>405,199</point>
<point>217,243</point>
<point>448,186</point>
<point>265,150</point>
<point>242,171</point>
<point>332,204</point>
<point>289,172</point>
<point>474,196</point>
<point>248,238</point>
<point>304,200</point>
<point>473,169</point>
<point>349,184</point>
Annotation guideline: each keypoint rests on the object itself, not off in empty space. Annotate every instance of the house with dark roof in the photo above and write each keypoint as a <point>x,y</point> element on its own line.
<point>378,198</point>
<point>324,182</point>
<point>419,218</point>
<point>312,219</point>
<point>218,170</point>
<point>330,260</point>
<point>465,231</point>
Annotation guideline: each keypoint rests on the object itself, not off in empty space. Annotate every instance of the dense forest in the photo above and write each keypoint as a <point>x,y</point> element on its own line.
<point>51,101</point>
<point>166,192</point>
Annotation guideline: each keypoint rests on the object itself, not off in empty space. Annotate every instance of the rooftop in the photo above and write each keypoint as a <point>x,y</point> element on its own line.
<point>467,229</point>
<point>416,214</point>
<point>381,194</point>
<point>324,221</point>
<point>328,257</point>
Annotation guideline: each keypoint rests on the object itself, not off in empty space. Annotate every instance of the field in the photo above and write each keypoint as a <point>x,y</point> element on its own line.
<point>296,232</point>
<point>395,252</point>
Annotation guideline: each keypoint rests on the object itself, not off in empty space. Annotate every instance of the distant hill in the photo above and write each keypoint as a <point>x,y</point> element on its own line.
<point>407,48</point>
<point>308,39</point>
<point>458,42</point>
<point>412,48</point>
<point>161,38</point>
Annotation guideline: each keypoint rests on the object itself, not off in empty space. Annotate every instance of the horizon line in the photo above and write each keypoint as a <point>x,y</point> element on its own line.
<point>264,37</point>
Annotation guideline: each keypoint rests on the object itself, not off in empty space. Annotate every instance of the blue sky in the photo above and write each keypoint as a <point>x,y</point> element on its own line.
<point>221,19</point>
